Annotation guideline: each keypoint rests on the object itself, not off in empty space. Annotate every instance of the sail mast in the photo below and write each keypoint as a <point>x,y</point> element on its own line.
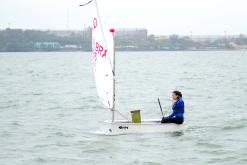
<point>114,77</point>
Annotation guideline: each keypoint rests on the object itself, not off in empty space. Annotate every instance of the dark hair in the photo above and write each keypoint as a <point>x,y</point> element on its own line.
<point>178,93</point>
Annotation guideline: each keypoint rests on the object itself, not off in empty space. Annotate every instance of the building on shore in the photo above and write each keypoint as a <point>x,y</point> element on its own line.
<point>47,45</point>
<point>131,34</point>
<point>65,33</point>
<point>211,38</point>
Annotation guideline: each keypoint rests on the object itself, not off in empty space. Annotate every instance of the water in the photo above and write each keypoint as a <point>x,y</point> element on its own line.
<point>50,113</point>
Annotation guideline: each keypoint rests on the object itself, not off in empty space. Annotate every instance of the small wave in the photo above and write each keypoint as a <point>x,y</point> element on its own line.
<point>151,163</point>
<point>36,94</point>
<point>210,145</point>
<point>233,127</point>
<point>95,150</point>
<point>64,135</point>
<point>97,132</point>
<point>102,133</point>
<point>55,108</point>
<point>8,106</point>
<point>15,123</point>
<point>40,160</point>
<point>176,134</point>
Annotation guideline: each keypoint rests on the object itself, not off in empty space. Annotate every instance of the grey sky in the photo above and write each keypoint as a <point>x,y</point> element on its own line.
<point>158,16</point>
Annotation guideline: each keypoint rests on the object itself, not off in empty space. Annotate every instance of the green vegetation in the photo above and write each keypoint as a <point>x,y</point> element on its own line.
<point>16,40</point>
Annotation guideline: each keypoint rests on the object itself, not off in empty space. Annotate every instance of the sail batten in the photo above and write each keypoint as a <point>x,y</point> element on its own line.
<point>103,59</point>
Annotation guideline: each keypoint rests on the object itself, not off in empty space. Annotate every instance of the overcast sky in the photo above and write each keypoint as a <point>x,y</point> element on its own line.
<point>201,17</point>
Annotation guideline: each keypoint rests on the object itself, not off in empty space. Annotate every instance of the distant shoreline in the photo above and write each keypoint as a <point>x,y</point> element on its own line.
<point>218,50</point>
<point>18,40</point>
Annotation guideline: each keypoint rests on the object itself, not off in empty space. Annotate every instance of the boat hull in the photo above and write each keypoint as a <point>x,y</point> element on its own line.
<point>146,126</point>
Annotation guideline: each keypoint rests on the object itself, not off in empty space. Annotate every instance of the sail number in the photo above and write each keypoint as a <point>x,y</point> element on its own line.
<point>95,23</point>
<point>100,50</point>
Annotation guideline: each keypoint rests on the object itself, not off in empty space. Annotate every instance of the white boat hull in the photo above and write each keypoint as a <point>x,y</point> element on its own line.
<point>147,126</point>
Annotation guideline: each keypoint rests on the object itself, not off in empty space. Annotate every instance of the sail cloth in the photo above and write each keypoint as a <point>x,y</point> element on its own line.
<point>102,52</point>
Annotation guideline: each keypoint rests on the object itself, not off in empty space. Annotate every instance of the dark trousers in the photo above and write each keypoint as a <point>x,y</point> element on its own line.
<point>177,120</point>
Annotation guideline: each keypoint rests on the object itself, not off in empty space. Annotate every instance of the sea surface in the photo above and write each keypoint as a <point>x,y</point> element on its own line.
<point>50,113</point>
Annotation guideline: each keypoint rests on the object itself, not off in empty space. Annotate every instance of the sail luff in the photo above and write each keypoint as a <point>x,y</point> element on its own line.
<point>114,77</point>
<point>103,57</point>
<point>102,29</point>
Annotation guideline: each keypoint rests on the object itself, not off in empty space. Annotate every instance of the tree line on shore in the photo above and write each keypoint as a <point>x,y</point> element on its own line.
<point>17,40</point>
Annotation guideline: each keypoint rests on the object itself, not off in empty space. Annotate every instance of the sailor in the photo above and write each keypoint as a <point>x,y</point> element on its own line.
<point>177,115</point>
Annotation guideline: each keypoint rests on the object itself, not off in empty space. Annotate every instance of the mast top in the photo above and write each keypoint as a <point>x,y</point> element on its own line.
<point>112,30</point>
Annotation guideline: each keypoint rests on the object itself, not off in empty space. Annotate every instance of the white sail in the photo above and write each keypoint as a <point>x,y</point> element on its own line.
<point>103,54</point>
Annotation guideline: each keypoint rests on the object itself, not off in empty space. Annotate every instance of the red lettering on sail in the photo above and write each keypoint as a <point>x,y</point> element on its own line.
<point>104,54</point>
<point>98,50</point>
<point>95,23</point>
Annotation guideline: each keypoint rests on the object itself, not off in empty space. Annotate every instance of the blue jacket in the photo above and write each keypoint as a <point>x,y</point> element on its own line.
<point>178,108</point>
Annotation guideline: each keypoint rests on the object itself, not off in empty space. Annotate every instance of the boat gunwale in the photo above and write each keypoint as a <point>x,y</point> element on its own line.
<point>144,122</point>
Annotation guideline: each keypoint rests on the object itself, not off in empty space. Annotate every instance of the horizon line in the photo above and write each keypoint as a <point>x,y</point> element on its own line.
<point>71,30</point>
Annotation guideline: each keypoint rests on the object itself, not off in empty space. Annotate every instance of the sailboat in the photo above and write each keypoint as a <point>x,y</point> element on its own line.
<point>103,53</point>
